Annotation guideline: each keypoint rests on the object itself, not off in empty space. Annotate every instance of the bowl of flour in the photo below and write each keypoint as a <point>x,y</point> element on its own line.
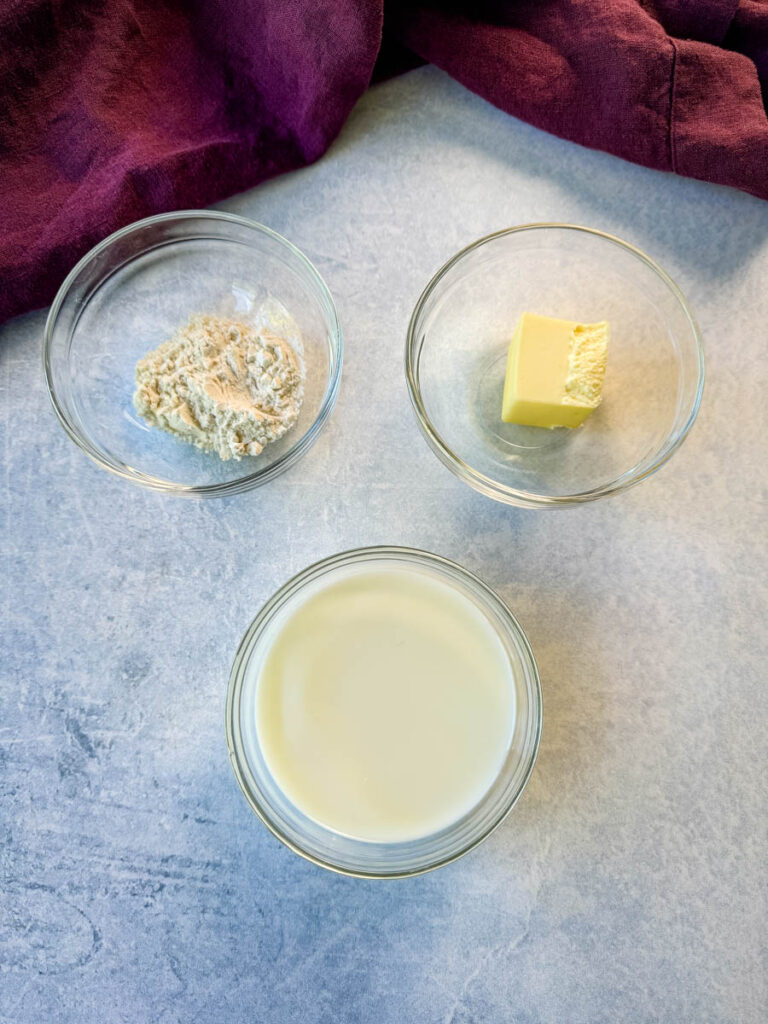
<point>195,353</point>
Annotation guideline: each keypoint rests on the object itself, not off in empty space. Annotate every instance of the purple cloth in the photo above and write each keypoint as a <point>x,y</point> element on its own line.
<point>111,112</point>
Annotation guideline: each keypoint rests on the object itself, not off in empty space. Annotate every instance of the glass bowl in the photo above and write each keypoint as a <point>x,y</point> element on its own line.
<point>133,291</point>
<point>331,849</point>
<point>456,355</point>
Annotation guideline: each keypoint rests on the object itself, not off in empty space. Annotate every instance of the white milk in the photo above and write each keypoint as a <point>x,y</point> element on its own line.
<point>385,704</point>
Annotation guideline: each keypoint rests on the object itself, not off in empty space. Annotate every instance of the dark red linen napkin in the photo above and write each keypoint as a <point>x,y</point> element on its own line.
<point>113,111</point>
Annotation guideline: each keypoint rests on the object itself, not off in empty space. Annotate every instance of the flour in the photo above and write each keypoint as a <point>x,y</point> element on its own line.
<point>222,386</point>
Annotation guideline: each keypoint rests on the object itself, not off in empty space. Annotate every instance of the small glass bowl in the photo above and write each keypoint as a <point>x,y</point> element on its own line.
<point>341,853</point>
<point>133,291</point>
<point>456,355</point>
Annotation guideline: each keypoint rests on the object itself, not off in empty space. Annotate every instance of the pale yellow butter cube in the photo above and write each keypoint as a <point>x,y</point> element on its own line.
<point>555,371</point>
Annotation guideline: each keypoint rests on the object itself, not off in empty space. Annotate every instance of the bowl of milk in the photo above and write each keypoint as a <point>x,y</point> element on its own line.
<point>384,712</point>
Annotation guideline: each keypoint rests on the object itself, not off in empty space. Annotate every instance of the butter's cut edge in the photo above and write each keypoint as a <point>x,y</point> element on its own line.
<point>587,357</point>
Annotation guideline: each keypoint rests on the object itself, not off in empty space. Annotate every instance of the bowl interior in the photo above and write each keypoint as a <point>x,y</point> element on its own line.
<point>133,293</point>
<point>458,346</point>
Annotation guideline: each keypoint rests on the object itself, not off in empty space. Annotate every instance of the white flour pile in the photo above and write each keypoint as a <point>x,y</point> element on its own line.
<point>222,386</point>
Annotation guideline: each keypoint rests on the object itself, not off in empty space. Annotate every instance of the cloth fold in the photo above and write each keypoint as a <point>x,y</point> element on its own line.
<point>111,112</point>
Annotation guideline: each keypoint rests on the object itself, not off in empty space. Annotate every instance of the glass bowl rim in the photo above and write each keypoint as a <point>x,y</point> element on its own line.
<point>228,487</point>
<point>247,647</point>
<point>528,499</point>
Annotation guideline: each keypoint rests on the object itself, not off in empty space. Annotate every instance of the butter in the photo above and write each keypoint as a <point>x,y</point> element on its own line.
<point>555,371</point>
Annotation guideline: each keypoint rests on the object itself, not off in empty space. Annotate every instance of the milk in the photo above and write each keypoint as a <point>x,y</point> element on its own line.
<point>384,703</point>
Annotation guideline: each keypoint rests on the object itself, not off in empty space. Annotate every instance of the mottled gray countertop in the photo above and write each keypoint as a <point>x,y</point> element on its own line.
<point>629,883</point>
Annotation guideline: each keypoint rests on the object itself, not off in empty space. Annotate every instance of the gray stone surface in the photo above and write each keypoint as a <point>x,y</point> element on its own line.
<point>629,883</point>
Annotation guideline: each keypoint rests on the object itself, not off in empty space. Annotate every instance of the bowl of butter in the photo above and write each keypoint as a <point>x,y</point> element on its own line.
<point>196,353</point>
<point>551,364</point>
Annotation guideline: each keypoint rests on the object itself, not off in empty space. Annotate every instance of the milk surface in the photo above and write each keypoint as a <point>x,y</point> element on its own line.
<point>384,704</point>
